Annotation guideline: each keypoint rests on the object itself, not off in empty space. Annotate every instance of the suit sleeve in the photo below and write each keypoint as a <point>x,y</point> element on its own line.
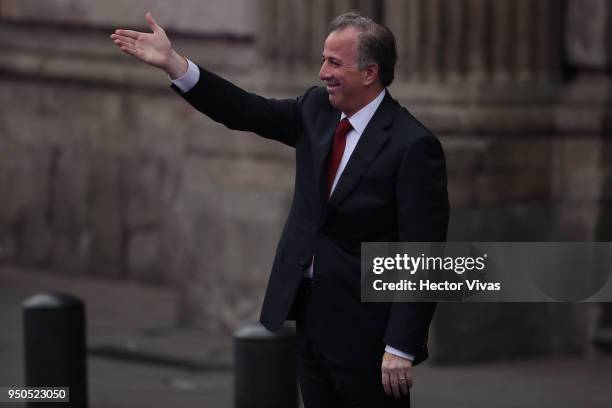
<point>423,209</point>
<point>238,109</point>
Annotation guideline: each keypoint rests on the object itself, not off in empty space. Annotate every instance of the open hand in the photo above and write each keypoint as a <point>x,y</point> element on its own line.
<point>152,48</point>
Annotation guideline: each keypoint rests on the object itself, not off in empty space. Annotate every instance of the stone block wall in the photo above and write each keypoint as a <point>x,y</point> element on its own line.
<point>144,188</point>
<point>210,17</point>
<point>105,172</point>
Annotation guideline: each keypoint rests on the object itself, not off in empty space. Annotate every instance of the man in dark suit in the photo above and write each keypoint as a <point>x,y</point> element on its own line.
<point>366,170</point>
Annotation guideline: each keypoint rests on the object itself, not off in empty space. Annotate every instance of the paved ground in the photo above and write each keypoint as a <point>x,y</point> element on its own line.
<point>129,320</point>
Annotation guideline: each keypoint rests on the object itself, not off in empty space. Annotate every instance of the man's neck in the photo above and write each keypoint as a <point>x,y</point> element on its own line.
<point>371,95</point>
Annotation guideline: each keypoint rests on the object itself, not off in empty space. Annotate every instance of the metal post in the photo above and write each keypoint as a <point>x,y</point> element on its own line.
<point>265,368</point>
<point>54,334</point>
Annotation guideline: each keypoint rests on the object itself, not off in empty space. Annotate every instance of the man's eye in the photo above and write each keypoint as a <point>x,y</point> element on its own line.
<point>332,62</point>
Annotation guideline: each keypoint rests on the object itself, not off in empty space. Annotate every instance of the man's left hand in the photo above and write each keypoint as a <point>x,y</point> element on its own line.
<point>396,375</point>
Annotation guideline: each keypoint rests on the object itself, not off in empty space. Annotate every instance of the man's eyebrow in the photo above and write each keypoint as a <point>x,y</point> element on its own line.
<point>330,58</point>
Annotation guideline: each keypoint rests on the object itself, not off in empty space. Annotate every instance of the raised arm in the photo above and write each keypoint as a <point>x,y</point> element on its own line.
<point>152,48</point>
<point>212,95</point>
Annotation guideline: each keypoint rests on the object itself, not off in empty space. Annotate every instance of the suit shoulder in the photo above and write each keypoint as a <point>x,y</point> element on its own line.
<point>315,98</point>
<point>408,123</point>
<point>408,130</point>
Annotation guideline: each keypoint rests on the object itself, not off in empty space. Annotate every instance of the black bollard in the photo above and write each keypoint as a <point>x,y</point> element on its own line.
<point>54,334</point>
<point>265,368</point>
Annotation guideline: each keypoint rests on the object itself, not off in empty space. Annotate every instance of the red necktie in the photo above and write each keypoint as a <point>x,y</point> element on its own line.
<point>337,151</point>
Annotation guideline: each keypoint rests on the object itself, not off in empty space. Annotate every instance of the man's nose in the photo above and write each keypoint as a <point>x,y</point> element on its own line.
<point>323,74</point>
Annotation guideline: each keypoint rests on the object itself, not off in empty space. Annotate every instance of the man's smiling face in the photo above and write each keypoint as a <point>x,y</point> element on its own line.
<point>340,72</point>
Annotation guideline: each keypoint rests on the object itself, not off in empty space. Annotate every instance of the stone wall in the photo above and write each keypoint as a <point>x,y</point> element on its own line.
<point>228,17</point>
<point>105,172</point>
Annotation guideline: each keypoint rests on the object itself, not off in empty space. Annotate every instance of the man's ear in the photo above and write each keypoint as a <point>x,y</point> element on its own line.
<point>370,74</point>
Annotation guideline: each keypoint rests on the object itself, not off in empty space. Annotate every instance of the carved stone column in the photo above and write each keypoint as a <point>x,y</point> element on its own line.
<point>477,40</point>
<point>589,46</point>
<point>589,50</point>
<point>291,32</point>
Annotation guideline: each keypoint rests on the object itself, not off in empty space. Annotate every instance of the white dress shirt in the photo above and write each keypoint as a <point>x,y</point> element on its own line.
<point>359,121</point>
<point>189,79</point>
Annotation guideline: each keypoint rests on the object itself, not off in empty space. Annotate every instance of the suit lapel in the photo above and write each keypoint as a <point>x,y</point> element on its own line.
<point>370,143</point>
<point>322,144</point>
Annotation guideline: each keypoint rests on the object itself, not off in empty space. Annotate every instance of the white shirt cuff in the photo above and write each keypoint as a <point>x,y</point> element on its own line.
<point>189,79</point>
<point>398,353</point>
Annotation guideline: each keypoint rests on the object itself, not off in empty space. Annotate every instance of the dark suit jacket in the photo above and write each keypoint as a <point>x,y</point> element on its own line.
<point>392,189</point>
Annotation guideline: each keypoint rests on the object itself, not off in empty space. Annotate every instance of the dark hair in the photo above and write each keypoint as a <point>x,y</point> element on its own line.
<point>376,44</point>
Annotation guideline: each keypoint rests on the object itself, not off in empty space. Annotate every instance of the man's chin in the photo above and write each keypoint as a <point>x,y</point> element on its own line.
<point>333,100</point>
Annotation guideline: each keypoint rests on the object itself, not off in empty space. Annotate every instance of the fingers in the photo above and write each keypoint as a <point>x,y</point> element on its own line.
<point>125,44</point>
<point>152,23</point>
<point>135,34</point>
<point>399,383</point>
<point>128,47</point>
<point>404,384</point>
<point>395,386</point>
<point>386,383</point>
<point>132,51</point>
<point>128,33</point>
<point>122,39</point>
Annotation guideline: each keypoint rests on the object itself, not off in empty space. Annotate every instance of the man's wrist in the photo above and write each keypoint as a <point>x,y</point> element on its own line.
<point>189,79</point>
<point>392,350</point>
<point>176,66</point>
